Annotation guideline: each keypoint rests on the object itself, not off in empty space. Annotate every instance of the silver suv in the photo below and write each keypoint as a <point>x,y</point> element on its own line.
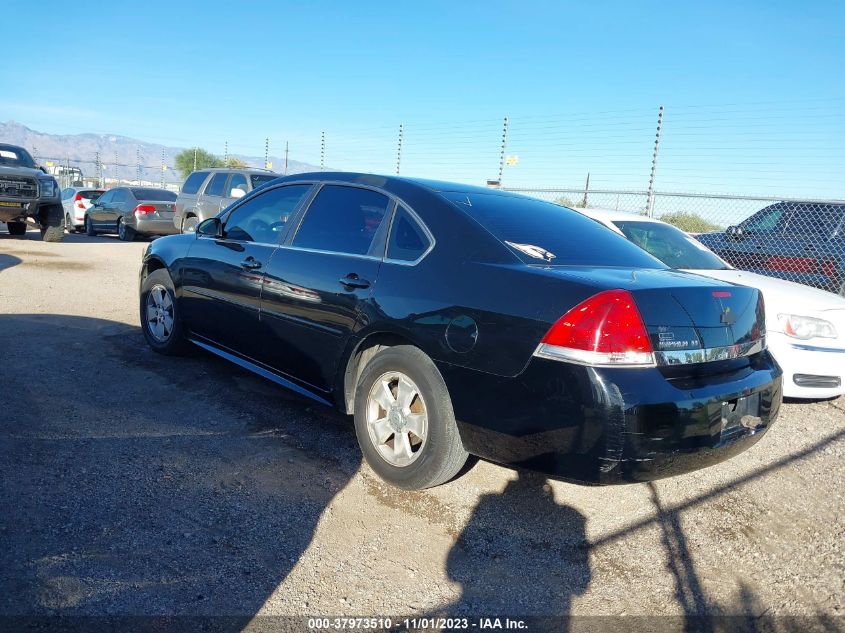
<point>206,192</point>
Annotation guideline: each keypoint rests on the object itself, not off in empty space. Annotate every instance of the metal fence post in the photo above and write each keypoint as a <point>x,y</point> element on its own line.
<point>195,158</point>
<point>138,159</point>
<point>650,202</point>
<point>162,168</point>
<point>226,154</point>
<point>586,191</point>
<point>266,152</point>
<point>287,149</point>
<point>322,151</point>
<point>399,150</point>
<point>504,149</point>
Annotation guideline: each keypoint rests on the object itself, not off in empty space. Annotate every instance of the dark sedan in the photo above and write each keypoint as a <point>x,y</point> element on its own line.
<point>453,320</point>
<point>132,211</point>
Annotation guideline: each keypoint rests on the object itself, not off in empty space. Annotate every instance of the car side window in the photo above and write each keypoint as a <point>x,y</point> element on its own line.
<point>767,221</point>
<point>105,198</point>
<point>264,217</point>
<point>217,184</point>
<point>237,181</point>
<point>815,221</point>
<point>342,220</point>
<point>194,181</point>
<point>407,240</point>
<point>120,196</point>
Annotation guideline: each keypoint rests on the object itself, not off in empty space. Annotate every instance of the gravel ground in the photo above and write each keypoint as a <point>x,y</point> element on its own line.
<point>138,484</point>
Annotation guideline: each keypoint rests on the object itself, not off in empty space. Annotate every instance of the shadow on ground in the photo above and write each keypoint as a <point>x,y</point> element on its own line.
<point>139,484</point>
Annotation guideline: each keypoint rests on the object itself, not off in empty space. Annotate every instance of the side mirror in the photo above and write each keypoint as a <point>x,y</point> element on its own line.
<point>212,227</point>
<point>43,168</point>
<point>735,232</point>
<point>237,193</point>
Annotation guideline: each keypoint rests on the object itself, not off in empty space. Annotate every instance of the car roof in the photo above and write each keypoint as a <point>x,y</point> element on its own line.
<point>239,170</point>
<point>379,180</point>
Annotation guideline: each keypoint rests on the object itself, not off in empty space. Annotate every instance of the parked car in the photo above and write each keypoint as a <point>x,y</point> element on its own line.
<point>209,191</point>
<point>805,327</point>
<point>75,201</point>
<point>27,192</point>
<point>451,319</point>
<point>132,211</point>
<point>798,241</point>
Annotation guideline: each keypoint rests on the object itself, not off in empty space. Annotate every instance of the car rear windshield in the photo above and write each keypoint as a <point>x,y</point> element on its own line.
<point>540,232</point>
<point>670,245</point>
<point>260,179</point>
<point>153,194</point>
<point>90,195</point>
<point>15,157</point>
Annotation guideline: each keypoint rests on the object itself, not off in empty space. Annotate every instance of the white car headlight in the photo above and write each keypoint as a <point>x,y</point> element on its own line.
<point>805,327</point>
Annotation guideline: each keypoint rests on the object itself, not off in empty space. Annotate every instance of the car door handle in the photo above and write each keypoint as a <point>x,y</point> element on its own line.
<point>250,264</point>
<point>353,281</point>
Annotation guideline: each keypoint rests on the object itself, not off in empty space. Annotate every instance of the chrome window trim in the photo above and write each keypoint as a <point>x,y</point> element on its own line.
<point>392,197</point>
<point>322,252</point>
<point>231,241</point>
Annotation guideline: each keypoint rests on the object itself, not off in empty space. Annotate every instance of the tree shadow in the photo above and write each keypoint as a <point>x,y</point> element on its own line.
<point>136,484</point>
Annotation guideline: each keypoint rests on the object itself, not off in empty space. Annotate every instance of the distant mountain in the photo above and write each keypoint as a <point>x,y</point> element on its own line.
<point>118,154</point>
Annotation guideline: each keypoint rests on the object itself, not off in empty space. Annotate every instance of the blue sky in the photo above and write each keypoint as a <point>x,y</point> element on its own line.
<point>753,91</point>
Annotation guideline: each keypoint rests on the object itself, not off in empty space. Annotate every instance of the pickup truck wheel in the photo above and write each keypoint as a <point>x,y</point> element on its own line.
<point>52,233</point>
<point>160,318</point>
<point>16,228</point>
<point>125,233</point>
<point>189,225</point>
<point>404,420</point>
<point>89,227</point>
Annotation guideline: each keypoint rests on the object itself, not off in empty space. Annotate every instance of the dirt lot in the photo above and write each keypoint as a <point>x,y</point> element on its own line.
<point>138,484</point>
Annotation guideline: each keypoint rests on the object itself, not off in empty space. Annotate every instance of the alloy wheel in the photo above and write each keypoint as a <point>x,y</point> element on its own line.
<point>160,317</point>
<point>397,420</point>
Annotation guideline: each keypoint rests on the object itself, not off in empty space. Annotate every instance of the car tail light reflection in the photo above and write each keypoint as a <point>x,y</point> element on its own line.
<point>606,329</point>
<point>144,209</point>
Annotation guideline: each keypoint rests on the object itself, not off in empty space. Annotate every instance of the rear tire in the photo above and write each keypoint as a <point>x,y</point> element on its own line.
<point>16,228</point>
<point>419,416</point>
<point>89,227</point>
<point>160,318</point>
<point>125,233</point>
<point>189,225</point>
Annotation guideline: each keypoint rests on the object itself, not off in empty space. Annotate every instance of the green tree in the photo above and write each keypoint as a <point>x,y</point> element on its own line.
<point>235,163</point>
<point>185,160</point>
<point>690,222</point>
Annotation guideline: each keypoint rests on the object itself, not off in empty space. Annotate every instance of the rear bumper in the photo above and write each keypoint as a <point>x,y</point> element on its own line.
<point>817,367</point>
<point>608,425</point>
<point>155,227</point>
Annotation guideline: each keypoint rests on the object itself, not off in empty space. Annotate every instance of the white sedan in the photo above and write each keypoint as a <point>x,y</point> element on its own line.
<point>805,327</point>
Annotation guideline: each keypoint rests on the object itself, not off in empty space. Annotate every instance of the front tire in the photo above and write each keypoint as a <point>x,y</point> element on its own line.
<point>404,420</point>
<point>160,318</point>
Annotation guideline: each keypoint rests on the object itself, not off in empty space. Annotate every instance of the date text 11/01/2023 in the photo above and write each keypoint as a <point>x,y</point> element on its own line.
<point>416,623</point>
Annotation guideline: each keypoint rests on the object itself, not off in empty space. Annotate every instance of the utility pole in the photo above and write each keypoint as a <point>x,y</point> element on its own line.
<point>322,151</point>
<point>98,169</point>
<point>399,150</point>
<point>504,149</point>
<point>195,159</point>
<point>266,152</point>
<point>286,157</point>
<point>162,168</point>
<point>138,159</point>
<point>586,191</point>
<point>650,202</point>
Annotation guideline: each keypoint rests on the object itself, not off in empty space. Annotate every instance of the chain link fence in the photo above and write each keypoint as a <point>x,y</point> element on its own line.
<point>797,240</point>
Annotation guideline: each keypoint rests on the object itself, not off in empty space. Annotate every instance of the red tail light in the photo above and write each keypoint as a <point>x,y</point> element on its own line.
<point>78,201</point>
<point>144,209</point>
<point>606,329</point>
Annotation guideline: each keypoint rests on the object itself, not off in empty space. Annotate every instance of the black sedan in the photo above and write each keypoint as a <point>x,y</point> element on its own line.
<point>453,320</point>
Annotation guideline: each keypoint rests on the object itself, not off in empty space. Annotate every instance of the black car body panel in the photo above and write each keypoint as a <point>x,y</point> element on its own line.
<point>479,310</point>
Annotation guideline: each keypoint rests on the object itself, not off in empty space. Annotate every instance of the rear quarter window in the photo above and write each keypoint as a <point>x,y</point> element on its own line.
<point>194,181</point>
<point>540,232</point>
